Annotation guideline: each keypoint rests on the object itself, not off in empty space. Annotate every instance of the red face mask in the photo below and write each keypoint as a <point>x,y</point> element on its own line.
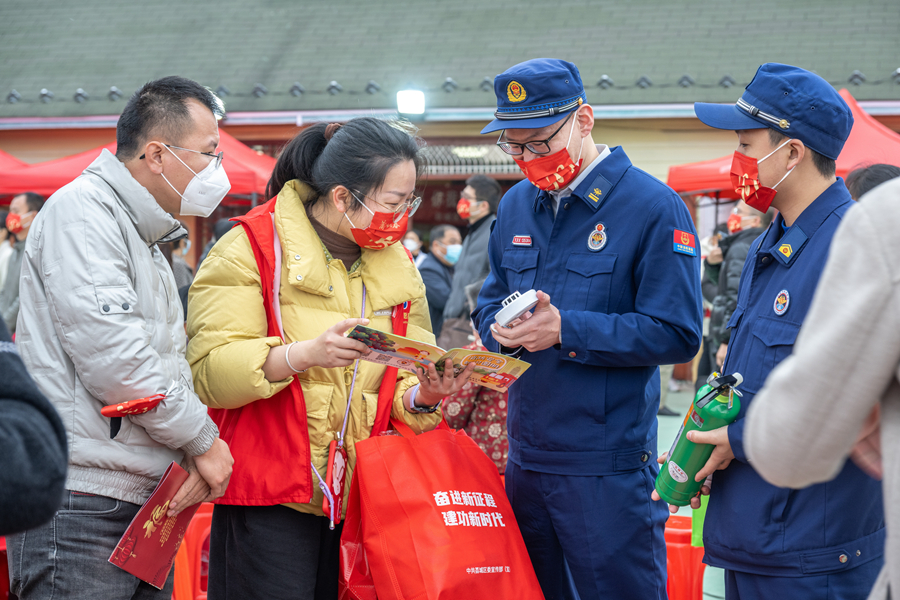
<point>14,223</point>
<point>381,232</point>
<point>745,178</point>
<point>464,208</point>
<point>552,172</point>
<point>734,223</point>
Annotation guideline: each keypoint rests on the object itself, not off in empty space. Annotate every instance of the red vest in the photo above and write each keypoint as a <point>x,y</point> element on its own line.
<point>269,438</point>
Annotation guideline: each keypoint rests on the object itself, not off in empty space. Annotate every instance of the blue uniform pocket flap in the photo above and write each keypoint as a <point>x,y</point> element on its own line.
<point>519,259</point>
<point>632,460</point>
<point>588,265</point>
<point>735,317</point>
<point>775,332</point>
<point>828,561</point>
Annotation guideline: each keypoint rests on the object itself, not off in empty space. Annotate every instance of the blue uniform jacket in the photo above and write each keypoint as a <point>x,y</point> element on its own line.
<point>628,305</point>
<point>753,526</point>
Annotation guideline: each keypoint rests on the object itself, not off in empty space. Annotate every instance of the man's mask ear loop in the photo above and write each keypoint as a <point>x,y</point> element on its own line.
<point>571,131</point>
<point>174,189</point>
<point>773,152</point>
<point>580,150</point>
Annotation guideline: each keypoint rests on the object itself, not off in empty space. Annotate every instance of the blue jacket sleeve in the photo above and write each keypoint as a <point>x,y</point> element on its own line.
<point>736,439</point>
<point>666,325</point>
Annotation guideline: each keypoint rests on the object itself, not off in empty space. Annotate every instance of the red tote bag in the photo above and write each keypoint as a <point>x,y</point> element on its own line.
<point>428,518</point>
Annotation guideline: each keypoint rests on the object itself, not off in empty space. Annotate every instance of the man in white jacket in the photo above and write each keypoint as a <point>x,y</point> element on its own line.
<point>101,323</point>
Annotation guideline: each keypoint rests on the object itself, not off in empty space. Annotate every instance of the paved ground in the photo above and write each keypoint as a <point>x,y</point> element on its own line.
<point>713,582</point>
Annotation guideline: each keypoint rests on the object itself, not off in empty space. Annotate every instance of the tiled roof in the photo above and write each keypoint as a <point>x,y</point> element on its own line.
<point>487,159</point>
<point>96,44</point>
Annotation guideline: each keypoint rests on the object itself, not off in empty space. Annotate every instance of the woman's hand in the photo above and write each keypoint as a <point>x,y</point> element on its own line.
<point>434,386</point>
<point>331,349</point>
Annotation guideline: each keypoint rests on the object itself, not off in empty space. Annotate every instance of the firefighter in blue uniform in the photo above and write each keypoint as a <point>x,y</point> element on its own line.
<point>824,541</point>
<point>613,254</point>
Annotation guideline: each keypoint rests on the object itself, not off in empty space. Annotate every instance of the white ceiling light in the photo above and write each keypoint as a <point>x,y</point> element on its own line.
<point>411,102</point>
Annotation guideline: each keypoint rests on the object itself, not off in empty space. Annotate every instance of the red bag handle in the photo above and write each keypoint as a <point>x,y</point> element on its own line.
<point>407,432</point>
<point>399,325</point>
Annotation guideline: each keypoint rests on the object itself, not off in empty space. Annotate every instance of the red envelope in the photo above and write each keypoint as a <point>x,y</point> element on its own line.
<point>132,407</point>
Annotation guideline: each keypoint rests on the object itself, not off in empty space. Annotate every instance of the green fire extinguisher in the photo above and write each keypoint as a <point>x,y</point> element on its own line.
<point>714,406</point>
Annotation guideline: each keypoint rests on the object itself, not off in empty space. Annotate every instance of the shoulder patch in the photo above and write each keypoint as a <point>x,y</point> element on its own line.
<point>684,243</point>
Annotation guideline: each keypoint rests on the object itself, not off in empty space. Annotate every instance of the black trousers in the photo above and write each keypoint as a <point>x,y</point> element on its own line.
<point>272,553</point>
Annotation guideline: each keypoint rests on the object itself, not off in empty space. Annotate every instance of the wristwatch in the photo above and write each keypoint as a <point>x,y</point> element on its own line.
<point>421,409</point>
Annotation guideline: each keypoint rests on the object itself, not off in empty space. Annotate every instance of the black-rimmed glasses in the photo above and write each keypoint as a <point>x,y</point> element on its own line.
<point>535,147</point>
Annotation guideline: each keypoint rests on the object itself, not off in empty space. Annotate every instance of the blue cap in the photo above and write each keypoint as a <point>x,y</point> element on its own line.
<point>790,100</point>
<point>536,93</point>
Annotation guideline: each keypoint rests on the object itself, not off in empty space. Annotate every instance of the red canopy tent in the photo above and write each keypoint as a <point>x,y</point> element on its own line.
<point>8,161</point>
<point>46,177</point>
<point>247,170</point>
<point>869,143</point>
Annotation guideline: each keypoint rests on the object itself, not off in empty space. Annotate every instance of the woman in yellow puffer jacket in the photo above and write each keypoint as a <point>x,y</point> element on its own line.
<point>344,195</point>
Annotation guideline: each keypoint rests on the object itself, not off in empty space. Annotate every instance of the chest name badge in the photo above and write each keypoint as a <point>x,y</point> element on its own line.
<point>684,243</point>
<point>597,238</point>
<point>782,301</point>
<point>522,240</point>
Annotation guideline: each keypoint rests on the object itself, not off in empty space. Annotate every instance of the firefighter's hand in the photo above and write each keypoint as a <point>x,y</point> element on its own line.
<point>536,331</point>
<point>722,455</point>
<point>695,501</point>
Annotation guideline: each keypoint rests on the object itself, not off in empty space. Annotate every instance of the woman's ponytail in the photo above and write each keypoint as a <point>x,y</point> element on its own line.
<point>297,160</point>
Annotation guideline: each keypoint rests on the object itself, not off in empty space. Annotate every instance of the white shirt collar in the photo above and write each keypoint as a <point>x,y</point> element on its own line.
<point>604,151</point>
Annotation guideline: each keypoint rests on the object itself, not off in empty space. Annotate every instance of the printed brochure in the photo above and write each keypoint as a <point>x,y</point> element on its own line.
<point>492,370</point>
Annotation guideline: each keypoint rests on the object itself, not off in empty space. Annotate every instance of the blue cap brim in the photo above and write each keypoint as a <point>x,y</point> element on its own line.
<point>726,116</point>
<point>536,123</point>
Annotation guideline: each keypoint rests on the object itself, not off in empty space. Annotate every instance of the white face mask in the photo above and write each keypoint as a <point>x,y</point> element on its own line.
<point>204,192</point>
<point>411,245</point>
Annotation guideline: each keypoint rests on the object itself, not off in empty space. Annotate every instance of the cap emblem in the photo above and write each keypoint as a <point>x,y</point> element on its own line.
<point>515,92</point>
